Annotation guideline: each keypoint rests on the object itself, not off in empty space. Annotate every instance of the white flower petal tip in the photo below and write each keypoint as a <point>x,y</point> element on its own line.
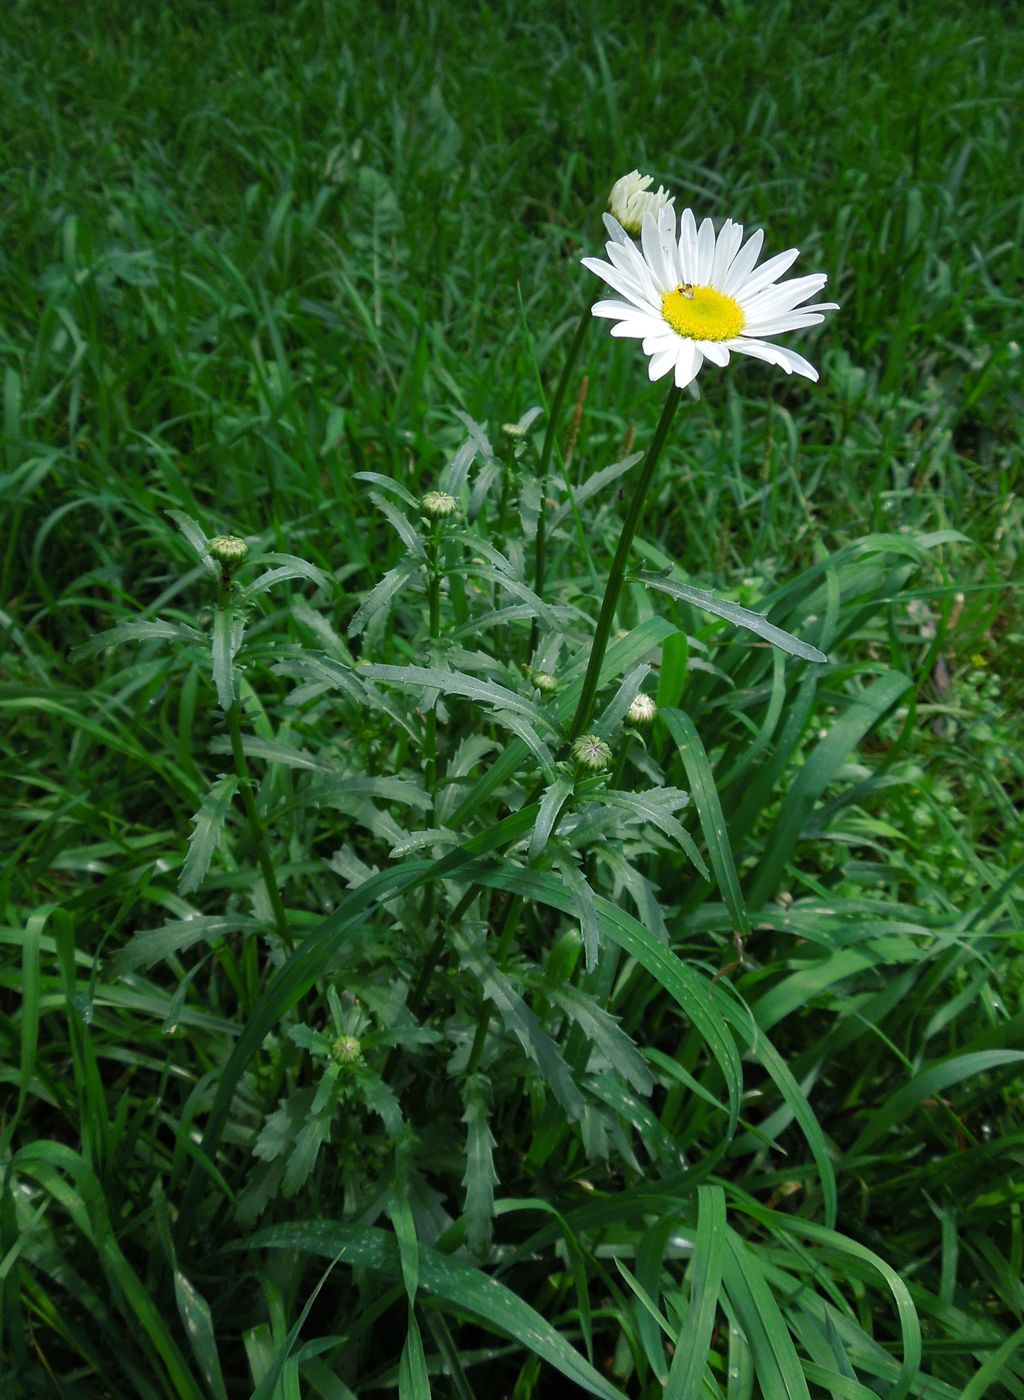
<point>692,296</point>
<point>630,199</point>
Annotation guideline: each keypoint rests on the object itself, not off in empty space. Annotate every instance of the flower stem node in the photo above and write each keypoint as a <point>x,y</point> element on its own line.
<point>228,550</point>
<point>642,711</point>
<point>591,754</point>
<point>631,198</point>
<point>437,505</point>
<point>346,1050</point>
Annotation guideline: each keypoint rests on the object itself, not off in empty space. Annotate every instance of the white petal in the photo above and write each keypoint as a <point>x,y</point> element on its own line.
<point>638,327</point>
<point>688,362</point>
<point>613,310</point>
<point>788,294</point>
<point>616,281</point>
<point>628,260</point>
<point>705,253</point>
<point>615,230</point>
<point>791,321</point>
<point>661,364</point>
<point>770,271</point>
<point>687,247</point>
<point>743,263</point>
<point>655,254</point>
<point>714,351</point>
<point>656,344</point>
<point>787,360</point>
<point>726,248</point>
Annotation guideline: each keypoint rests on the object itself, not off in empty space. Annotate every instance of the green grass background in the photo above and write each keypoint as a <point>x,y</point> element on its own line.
<point>247,250</point>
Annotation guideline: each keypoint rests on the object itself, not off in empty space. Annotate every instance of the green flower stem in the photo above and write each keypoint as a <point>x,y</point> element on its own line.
<point>585,708</point>
<point>540,555</point>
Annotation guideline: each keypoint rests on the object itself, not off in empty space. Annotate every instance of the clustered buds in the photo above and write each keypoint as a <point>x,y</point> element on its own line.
<point>630,199</point>
<point>228,550</point>
<point>436,505</point>
<point>591,753</point>
<point>642,710</point>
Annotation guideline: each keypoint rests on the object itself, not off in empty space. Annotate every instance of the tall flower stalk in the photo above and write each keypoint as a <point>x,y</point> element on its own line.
<point>617,575</point>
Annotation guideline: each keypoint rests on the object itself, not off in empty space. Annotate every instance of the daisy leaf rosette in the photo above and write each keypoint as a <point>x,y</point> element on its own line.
<point>690,296</point>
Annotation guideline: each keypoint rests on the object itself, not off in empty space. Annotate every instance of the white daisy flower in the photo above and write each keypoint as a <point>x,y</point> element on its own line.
<point>693,297</point>
<point>629,201</point>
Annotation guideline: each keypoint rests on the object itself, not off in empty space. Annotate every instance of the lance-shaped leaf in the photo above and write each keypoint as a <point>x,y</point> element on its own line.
<point>382,594</point>
<point>480,1178</point>
<point>204,840</point>
<point>732,612</point>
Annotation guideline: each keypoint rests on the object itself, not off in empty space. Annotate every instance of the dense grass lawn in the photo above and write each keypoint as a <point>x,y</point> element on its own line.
<point>356,1038</point>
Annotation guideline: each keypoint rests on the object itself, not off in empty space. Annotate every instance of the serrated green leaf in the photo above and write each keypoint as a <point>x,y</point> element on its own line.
<point>402,526</point>
<point>154,944</point>
<point>196,537</point>
<point>139,630</point>
<point>732,612</point>
<point>582,897</point>
<point>656,806</point>
<point>228,630</point>
<point>204,840</point>
<point>458,683</point>
<point>551,804</point>
<point>605,1032</point>
<point>479,1178</point>
<point>523,1024</point>
<point>382,595</point>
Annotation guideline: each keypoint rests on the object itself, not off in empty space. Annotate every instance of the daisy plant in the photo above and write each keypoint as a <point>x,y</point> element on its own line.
<point>690,296</point>
<point>630,199</point>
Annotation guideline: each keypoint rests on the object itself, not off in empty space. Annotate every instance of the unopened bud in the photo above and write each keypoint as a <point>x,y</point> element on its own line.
<point>346,1049</point>
<point>591,753</point>
<point>544,681</point>
<point>630,199</point>
<point>228,550</point>
<point>438,504</point>
<point>642,710</point>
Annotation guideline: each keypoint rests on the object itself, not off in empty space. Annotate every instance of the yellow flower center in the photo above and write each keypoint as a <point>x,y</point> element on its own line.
<point>701,313</point>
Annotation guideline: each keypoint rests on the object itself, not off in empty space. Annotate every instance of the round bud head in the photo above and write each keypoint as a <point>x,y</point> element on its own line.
<point>642,710</point>
<point>228,550</point>
<point>591,753</point>
<point>346,1049</point>
<point>545,682</point>
<point>436,505</point>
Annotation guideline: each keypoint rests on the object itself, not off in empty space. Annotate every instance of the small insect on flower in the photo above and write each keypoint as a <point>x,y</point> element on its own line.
<point>690,295</point>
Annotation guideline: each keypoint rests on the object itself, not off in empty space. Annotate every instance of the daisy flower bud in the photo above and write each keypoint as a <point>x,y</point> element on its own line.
<point>544,682</point>
<point>642,710</point>
<point>435,505</point>
<point>228,550</point>
<point>630,199</point>
<point>346,1050</point>
<point>591,753</point>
